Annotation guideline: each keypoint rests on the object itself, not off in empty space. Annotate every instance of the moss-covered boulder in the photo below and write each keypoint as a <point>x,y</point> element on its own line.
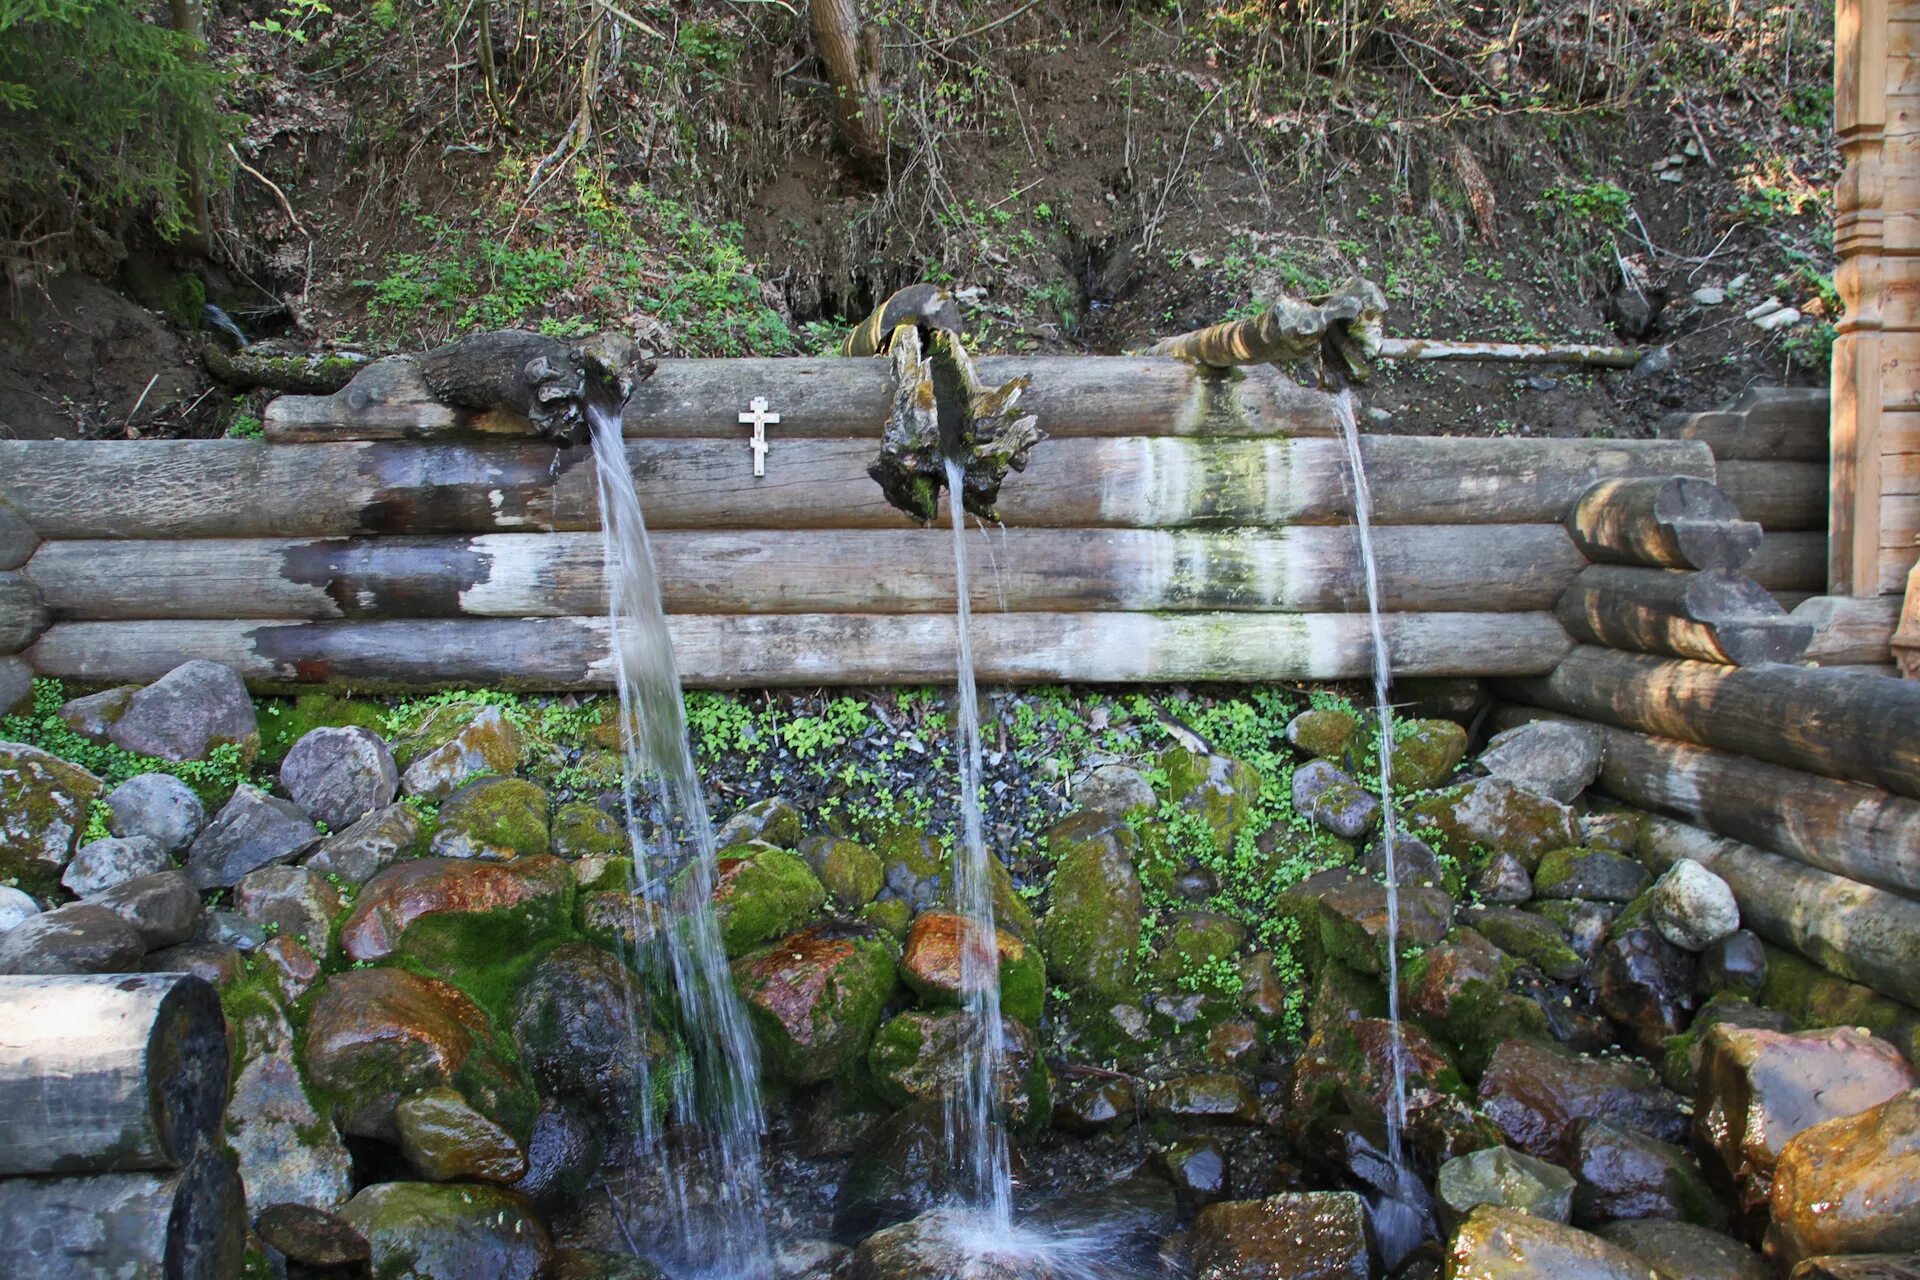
<point>585,831</point>
<point>914,865</point>
<point>1529,937</point>
<point>1509,1244</point>
<point>932,966</point>
<point>1091,930</point>
<point>919,1056</point>
<point>1458,991</point>
<point>464,920</point>
<point>759,893</point>
<point>1323,733</point>
<point>1680,1062</point>
<point>1493,814</point>
<point>1593,874</point>
<point>1198,948</point>
<point>1217,789</point>
<point>771,821</point>
<point>580,1020</point>
<point>375,1036</point>
<point>44,802</point>
<point>815,998</point>
<point>433,1231</point>
<point>1353,914</point>
<point>455,743</point>
<point>1426,752</point>
<point>446,1140</point>
<point>1348,1068</point>
<point>495,819</point>
<point>284,721</point>
<point>1536,1093</point>
<point>891,916</point>
<point>852,873</point>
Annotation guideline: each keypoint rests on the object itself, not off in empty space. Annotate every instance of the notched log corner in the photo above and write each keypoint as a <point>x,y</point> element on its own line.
<point>1344,329</point>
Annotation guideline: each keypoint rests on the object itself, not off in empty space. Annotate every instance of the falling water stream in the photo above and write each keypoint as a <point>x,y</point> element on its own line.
<point>714,1105</point>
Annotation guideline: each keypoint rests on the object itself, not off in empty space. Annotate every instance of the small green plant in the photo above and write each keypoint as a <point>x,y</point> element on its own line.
<point>246,426</point>
<point>1596,201</point>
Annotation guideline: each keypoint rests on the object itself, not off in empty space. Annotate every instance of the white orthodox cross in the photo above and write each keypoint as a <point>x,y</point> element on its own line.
<point>759,419</point>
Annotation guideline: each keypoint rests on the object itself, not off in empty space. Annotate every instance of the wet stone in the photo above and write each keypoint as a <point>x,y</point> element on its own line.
<point>292,902</point>
<point>230,929</point>
<point>1629,1175</point>
<point>1230,1043</point>
<point>210,961</point>
<point>1215,1096</point>
<point>586,831</point>
<point>562,1155</point>
<point>1593,874</point>
<point>15,907</point>
<point>1644,984</point>
<point>761,893</point>
<point>1680,1067</point>
<point>917,1058</point>
<point>188,712</point>
<point>1614,832</point>
<point>852,873</point>
<point>1353,921</point>
<point>492,820</point>
<point>251,831</point>
<point>289,965</point>
<point>84,937</point>
<point>1095,1106</point>
<point>773,821</point>
<point>815,999</point>
<point>445,1140</point>
<point>453,745</point>
<point>1549,757</point>
<point>1334,801</point>
<point>1692,907</point>
<point>102,864</point>
<point>1736,964</point>
<point>417,907</point>
<point>1859,1266</point>
<point>163,909</point>
<point>311,1237</point>
<point>1197,1168</point>
<point>1536,1093</point>
<point>288,1153</point>
<point>1529,937</point>
<point>1426,753</point>
<point>339,775</point>
<point>369,846</point>
<point>1850,1185</point>
<point>1495,814</point>
<point>574,1022</point>
<point>1684,1251</point>
<point>1504,1177</point>
<point>1314,1235</point>
<point>157,807</point>
<point>1506,1244</point>
<point>1585,924</point>
<point>1091,932</point>
<point>933,965</point>
<point>1503,880</point>
<point>1414,862</point>
<point>428,1231</point>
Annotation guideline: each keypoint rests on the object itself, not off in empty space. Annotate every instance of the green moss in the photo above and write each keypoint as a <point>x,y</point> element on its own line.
<point>495,817</point>
<point>1092,927</point>
<point>765,893</point>
<point>1323,732</point>
<point>851,872</point>
<point>1531,938</point>
<point>1813,997</point>
<point>582,830</point>
<point>1023,986</point>
<point>841,1021</point>
<point>1426,752</point>
<point>1217,789</point>
<point>486,953</point>
<point>1342,992</point>
<point>1198,945</point>
<point>284,721</point>
<point>890,915</point>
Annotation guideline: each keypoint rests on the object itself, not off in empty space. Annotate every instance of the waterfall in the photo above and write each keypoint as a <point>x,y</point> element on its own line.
<point>714,1104</point>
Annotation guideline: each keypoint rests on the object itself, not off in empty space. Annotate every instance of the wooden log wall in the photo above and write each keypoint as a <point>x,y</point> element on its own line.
<point>1178,525</point>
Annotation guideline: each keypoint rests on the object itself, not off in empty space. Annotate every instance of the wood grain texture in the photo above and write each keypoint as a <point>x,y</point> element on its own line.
<point>1789,562</point>
<point>1667,522</point>
<point>1783,424</point>
<point>22,614</point>
<point>1849,631</point>
<point>755,651</point>
<point>1713,615</point>
<point>185,1225</point>
<point>1778,495</point>
<point>1313,568</point>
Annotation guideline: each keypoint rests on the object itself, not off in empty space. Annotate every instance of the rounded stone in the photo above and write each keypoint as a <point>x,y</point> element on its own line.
<point>158,807</point>
<point>84,937</point>
<point>15,907</point>
<point>101,865</point>
<point>1504,1177</point>
<point>429,1231</point>
<point>187,713</point>
<point>1692,907</point>
<point>339,775</point>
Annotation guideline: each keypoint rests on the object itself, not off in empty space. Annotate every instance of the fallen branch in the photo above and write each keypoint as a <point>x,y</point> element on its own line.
<point>1511,352</point>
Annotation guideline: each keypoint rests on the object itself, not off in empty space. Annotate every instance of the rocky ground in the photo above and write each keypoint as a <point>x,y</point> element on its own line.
<point>419,920</point>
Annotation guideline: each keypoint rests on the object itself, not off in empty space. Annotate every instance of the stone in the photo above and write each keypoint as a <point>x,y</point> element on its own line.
<point>586,831</point>
<point>445,1140</point>
<point>562,1156</point>
<point>1614,832</point>
<point>289,966</point>
<point>1414,862</point>
<point>903,1167</point>
<point>448,912</point>
<point>230,928</point>
<point>1091,931</point>
<point>1095,1106</point>
<point>311,1238</point>
<point>1593,874</point>
<point>163,909</point>
<point>211,962</point>
<point>102,864</point>
<point>599,1264</point>
<point>1849,1185</point>
<point>929,1247</point>
<point>1504,1177</point>
<point>1498,815</point>
<point>369,846</point>
<point>1196,943</point>
<point>15,907</point>
<point>374,1036</point>
<point>91,716</point>
<point>16,687</point>
<point>1529,937</point>
<point>1682,1251</point>
<point>1584,924</point>
<point>1623,1174</point>
<point>1736,964</point>
<point>1301,1235</point>
<point>84,937</point>
<point>157,807</point>
<point>294,902</point>
<point>759,893</point>
<point>1859,1266</point>
<point>1535,1094</point>
<point>492,819</point>
<point>1322,732</point>
<point>771,821</point>
<point>1458,990</point>
<point>44,803</point>
<point>1680,1066</point>
<point>1206,1096</point>
<point>1709,296</point>
<point>1229,1043</point>
<point>251,831</point>
<point>1197,1168</point>
<point>1692,907</point>
<point>1550,758</point>
<point>852,873</point>
<point>1644,984</point>
<point>1352,921</point>
<point>288,1153</point>
<point>340,775</point>
<point>187,713</point>
<point>1114,789</point>
<point>431,1231</point>
<point>815,999</point>
<point>1503,880</point>
<point>573,1021</point>
<point>1426,753</point>
<point>1495,1243</point>
<point>1334,801</point>
<point>455,744</point>
<point>918,1057</point>
<point>1217,789</point>
<point>1758,1089</point>
<point>1348,1066</point>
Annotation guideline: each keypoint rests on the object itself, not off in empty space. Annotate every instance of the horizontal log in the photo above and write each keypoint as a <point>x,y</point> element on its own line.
<point>1784,423</point>
<point>1853,930</point>
<point>188,1225</point>
<point>1778,495</point>
<point>1821,721</point>
<point>1849,631</point>
<point>753,651</point>
<point>239,488</point>
<point>846,398</point>
<point>1789,562</point>
<point>1846,828</point>
<point>109,1072</point>
<point>17,539</point>
<point>1310,568</point>
<point>1667,522</point>
<point>1714,615</point>
<point>22,614</point>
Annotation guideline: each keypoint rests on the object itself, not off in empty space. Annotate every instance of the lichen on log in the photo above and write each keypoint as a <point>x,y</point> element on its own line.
<point>310,373</point>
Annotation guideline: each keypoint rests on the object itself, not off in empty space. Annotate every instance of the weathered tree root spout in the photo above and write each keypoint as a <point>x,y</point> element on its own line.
<point>1344,327</point>
<point>542,379</point>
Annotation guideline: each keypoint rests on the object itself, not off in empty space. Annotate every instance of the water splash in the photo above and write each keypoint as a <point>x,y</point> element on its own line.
<point>713,1102</point>
<point>973,1123</point>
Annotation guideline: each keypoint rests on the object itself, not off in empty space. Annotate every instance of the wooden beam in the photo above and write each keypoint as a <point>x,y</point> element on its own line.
<point>237,488</point>
<point>847,398</point>
<point>1787,424</point>
<point>812,649</point>
<point>1789,562</point>
<point>1714,615</point>
<point>1310,568</point>
<point>109,1072</point>
<point>1846,828</point>
<point>1669,522</point>
<point>187,1225</point>
<point>1777,495</point>
<point>1849,631</point>
<point>1807,718</point>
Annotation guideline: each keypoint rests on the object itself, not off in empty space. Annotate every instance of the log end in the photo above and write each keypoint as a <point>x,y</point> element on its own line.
<point>1714,543</point>
<point>207,1229</point>
<point>187,1065</point>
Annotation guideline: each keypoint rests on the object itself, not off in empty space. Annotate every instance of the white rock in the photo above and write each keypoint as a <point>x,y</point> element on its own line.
<point>1692,907</point>
<point>103,864</point>
<point>15,907</point>
<point>1785,318</point>
<point>1709,296</point>
<point>1760,310</point>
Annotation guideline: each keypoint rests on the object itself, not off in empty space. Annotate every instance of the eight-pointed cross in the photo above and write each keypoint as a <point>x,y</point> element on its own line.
<point>759,419</point>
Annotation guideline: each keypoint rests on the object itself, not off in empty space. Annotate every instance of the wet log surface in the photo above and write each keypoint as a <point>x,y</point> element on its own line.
<point>1714,616</point>
<point>185,1225</point>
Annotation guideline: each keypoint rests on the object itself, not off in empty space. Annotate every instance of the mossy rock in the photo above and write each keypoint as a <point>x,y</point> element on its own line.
<point>284,721</point>
<point>1680,1065</point>
<point>771,821</point>
<point>917,1057</point>
<point>1531,938</point>
<point>435,730</point>
<point>1426,753</point>
<point>891,916</point>
<point>1323,733</point>
<point>761,893</point>
<point>815,998</point>
<point>1217,789</point>
<point>1493,814</point>
<point>496,819</point>
<point>852,873</point>
<point>931,965</point>
<point>914,866</point>
<point>1091,931</point>
<point>1813,997</point>
<point>1198,943</point>
<point>1341,993</point>
<point>585,830</point>
<point>44,805</point>
<point>1593,874</point>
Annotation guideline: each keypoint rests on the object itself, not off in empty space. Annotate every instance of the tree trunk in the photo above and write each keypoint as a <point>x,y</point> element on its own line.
<point>755,651</point>
<point>1575,353</point>
<point>187,1225</point>
<point>189,18</point>
<point>108,1073</point>
<point>1714,616</point>
<point>850,55</point>
<point>1664,522</point>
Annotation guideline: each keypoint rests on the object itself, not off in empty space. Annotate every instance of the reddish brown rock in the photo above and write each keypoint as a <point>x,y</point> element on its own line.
<point>538,890</point>
<point>1353,921</point>
<point>1348,1067</point>
<point>931,965</point>
<point>816,997</point>
<point>1311,1235</point>
<point>1849,1185</point>
<point>1536,1092</point>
